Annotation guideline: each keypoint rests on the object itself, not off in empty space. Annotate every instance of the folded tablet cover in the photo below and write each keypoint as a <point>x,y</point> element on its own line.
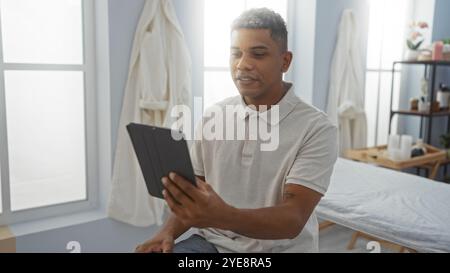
<point>159,154</point>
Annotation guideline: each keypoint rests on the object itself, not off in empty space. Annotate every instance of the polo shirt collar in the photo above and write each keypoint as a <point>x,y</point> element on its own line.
<point>286,105</point>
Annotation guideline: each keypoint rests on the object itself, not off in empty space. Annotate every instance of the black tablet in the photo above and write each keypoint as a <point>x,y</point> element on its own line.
<point>159,153</point>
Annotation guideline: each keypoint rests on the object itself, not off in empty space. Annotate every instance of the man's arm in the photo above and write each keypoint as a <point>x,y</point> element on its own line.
<point>283,221</point>
<point>201,207</point>
<point>174,227</point>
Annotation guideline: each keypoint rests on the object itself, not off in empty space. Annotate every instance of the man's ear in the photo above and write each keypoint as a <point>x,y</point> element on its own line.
<point>287,59</point>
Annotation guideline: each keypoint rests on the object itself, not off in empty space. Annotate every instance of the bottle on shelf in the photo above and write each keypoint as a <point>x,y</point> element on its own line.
<point>438,50</point>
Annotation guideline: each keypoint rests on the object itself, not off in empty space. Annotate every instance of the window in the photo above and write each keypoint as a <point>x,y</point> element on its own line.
<point>46,98</point>
<point>387,29</point>
<point>218,17</point>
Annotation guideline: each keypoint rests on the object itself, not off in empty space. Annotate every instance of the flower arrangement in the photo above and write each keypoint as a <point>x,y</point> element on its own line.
<point>416,35</point>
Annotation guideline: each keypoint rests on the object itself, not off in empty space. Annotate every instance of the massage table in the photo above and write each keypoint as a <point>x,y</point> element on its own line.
<point>390,206</point>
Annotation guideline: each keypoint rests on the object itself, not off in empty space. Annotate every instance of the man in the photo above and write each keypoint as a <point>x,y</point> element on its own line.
<point>246,199</point>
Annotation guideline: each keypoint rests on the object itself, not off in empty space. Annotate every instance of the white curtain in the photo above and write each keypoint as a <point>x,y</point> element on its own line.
<point>159,79</point>
<point>345,98</point>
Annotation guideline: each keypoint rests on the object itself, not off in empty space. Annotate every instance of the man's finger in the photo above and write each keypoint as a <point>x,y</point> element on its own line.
<point>167,247</point>
<point>184,185</point>
<point>144,248</point>
<point>201,184</point>
<point>156,250</point>
<point>173,205</point>
<point>152,249</point>
<point>179,195</point>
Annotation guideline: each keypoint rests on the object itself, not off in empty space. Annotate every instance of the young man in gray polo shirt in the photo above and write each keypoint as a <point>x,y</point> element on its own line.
<point>251,199</point>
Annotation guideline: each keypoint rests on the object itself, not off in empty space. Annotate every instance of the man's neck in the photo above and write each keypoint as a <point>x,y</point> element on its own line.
<point>272,97</point>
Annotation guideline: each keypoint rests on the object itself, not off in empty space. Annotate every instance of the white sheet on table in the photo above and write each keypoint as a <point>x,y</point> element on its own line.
<point>402,208</point>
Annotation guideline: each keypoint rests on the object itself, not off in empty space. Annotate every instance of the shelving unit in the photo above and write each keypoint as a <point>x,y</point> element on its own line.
<point>432,67</point>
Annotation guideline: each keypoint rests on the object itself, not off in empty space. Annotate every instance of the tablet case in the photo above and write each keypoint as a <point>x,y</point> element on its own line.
<point>159,154</point>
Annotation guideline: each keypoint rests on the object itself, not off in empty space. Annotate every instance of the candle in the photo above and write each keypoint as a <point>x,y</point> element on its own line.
<point>396,154</point>
<point>394,147</point>
<point>406,146</point>
<point>394,142</point>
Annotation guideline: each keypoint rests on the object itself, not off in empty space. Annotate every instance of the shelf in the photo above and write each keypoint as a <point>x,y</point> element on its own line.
<point>422,114</point>
<point>379,155</point>
<point>437,63</point>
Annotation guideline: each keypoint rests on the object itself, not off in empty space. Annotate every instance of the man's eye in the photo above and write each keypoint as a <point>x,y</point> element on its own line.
<point>259,54</point>
<point>235,54</point>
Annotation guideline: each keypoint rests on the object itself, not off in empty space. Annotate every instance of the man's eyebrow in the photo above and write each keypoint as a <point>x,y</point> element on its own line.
<point>252,48</point>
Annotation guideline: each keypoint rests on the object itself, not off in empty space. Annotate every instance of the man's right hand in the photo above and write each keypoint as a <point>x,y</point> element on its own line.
<point>162,242</point>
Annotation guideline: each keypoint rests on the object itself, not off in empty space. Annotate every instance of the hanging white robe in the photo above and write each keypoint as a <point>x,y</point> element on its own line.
<point>345,98</point>
<point>159,78</point>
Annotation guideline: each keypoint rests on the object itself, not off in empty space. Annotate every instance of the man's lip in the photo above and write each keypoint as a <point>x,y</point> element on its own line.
<point>245,79</point>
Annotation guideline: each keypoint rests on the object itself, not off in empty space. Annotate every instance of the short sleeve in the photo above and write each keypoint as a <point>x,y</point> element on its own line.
<point>196,152</point>
<point>314,163</point>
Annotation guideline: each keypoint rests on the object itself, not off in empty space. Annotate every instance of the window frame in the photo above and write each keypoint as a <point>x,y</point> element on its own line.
<point>379,71</point>
<point>88,68</point>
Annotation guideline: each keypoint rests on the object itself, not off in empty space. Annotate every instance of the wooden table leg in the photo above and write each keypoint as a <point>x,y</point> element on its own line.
<point>325,224</point>
<point>355,237</point>
<point>434,170</point>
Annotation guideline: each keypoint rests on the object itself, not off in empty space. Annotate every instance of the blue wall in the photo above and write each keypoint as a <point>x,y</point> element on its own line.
<point>441,28</point>
<point>123,19</point>
<point>327,22</point>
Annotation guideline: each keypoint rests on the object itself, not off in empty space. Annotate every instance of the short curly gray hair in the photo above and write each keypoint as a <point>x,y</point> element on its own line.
<point>264,18</point>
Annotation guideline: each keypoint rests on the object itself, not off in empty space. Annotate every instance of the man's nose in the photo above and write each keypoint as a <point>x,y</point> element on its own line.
<point>245,63</point>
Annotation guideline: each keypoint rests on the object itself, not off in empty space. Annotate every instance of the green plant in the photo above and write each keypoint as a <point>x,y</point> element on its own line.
<point>445,141</point>
<point>413,46</point>
<point>446,41</point>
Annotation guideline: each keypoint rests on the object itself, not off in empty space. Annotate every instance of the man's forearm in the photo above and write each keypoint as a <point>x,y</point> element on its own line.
<point>272,223</point>
<point>174,226</point>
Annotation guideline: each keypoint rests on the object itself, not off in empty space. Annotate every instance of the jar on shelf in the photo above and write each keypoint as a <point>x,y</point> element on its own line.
<point>424,105</point>
<point>443,96</point>
<point>414,104</point>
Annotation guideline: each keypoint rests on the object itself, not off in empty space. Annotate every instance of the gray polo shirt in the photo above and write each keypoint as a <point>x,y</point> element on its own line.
<point>245,176</point>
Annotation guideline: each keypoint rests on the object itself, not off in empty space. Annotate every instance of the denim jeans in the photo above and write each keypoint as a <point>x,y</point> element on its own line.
<point>194,244</point>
